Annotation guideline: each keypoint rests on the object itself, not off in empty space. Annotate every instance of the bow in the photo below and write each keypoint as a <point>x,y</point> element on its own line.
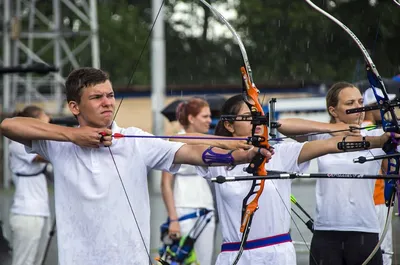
<point>396,2</point>
<point>257,166</point>
<point>389,124</point>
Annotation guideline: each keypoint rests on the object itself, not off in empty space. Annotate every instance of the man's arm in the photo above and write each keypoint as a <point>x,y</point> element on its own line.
<point>193,155</point>
<point>24,130</point>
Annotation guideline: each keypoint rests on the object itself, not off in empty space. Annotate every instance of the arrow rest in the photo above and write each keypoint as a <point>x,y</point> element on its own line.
<point>255,140</point>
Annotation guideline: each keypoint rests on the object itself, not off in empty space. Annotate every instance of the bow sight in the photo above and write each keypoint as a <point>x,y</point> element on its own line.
<point>384,107</point>
<point>256,119</point>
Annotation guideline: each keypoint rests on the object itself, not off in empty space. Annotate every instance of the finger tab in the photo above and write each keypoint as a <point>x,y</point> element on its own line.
<point>102,134</point>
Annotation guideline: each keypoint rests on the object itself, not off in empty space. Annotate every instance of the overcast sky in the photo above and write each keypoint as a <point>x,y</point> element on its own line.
<point>216,28</point>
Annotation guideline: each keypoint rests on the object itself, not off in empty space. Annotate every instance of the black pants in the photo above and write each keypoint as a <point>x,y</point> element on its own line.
<point>344,248</point>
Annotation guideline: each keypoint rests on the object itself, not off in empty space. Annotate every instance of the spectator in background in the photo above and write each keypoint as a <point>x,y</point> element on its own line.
<point>186,192</point>
<point>30,213</point>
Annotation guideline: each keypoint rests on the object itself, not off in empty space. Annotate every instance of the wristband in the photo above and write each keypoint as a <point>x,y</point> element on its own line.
<point>343,145</point>
<point>209,157</point>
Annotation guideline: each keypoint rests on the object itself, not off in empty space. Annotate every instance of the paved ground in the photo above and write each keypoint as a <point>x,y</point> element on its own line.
<point>304,192</point>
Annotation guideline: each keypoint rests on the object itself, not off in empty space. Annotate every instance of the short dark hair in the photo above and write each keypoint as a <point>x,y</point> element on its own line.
<point>81,78</point>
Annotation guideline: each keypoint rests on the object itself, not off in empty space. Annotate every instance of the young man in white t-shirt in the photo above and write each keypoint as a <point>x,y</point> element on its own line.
<point>101,194</point>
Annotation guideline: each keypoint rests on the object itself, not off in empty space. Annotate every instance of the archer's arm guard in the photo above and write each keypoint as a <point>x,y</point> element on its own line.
<point>209,157</point>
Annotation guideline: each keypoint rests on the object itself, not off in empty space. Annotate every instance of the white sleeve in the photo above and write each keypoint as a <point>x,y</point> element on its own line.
<point>375,132</point>
<point>18,150</point>
<point>319,137</point>
<point>49,150</point>
<point>203,171</point>
<point>288,153</point>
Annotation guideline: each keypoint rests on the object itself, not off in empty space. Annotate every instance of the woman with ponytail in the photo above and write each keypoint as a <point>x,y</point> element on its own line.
<point>187,194</point>
<point>346,226</point>
<point>29,213</point>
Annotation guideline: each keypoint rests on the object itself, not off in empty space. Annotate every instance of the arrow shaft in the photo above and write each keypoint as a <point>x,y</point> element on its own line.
<point>118,135</point>
<point>179,137</point>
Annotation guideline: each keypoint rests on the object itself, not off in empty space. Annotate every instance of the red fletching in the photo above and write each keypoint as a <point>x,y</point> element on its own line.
<point>118,135</point>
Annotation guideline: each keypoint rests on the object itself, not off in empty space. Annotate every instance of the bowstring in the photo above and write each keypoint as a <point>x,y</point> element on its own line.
<point>115,115</point>
<point>135,66</point>
<point>287,210</point>
<point>294,222</point>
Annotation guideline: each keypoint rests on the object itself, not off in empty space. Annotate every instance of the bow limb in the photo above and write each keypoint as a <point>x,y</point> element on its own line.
<point>373,75</point>
<point>239,41</point>
<point>257,166</point>
<point>396,2</point>
<point>384,231</point>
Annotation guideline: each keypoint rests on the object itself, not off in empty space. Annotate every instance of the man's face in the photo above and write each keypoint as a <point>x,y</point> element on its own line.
<point>96,108</point>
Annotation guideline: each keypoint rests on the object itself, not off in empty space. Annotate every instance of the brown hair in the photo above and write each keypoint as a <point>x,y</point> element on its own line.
<point>81,78</point>
<point>332,97</point>
<point>231,107</point>
<point>190,107</point>
<point>29,111</point>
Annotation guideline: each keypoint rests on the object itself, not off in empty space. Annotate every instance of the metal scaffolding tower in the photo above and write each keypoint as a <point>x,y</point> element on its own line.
<point>63,33</point>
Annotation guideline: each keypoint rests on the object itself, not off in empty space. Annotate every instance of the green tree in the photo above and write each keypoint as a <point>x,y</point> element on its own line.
<point>124,29</point>
<point>298,43</point>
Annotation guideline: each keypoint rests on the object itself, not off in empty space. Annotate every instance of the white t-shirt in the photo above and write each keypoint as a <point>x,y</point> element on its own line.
<point>347,204</point>
<point>31,196</point>
<point>191,190</point>
<point>273,216</point>
<point>95,224</point>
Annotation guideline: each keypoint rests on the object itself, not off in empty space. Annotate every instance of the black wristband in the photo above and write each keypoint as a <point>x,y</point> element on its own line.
<point>343,145</point>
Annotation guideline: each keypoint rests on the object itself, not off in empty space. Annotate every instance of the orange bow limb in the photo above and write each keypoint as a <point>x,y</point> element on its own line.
<point>258,163</point>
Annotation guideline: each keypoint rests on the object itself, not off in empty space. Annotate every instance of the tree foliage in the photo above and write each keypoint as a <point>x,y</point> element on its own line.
<point>297,42</point>
<point>286,41</point>
<point>289,41</point>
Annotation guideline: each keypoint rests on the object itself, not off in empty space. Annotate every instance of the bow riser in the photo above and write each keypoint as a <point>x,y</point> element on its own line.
<point>257,165</point>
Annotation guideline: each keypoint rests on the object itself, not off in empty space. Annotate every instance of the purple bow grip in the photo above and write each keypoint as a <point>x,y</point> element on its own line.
<point>394,140</point>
